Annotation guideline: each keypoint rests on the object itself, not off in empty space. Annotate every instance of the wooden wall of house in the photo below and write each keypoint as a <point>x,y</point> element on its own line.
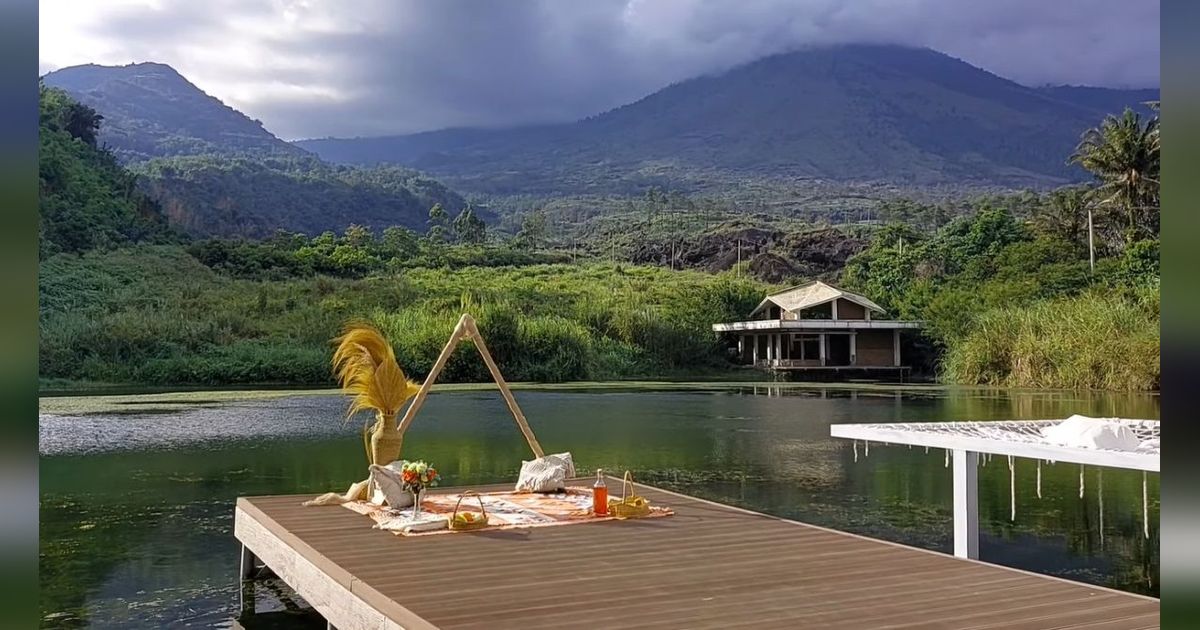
<point>850,310</point>
<point>874,347</point>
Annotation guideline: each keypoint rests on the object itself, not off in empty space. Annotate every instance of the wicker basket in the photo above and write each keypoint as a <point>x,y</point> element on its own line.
<point>629,505</point>
<point>478,522</point>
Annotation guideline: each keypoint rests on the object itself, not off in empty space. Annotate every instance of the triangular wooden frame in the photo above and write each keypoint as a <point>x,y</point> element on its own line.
<point>466,330</point>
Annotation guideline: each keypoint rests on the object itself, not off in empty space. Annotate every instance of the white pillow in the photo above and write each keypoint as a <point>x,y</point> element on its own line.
<point>546,474</point>
<point>388,487</point>
<point>1095,433</point>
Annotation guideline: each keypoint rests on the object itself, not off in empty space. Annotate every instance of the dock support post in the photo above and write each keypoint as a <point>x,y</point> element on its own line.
<point>246,583</point>
<point>966,504</point>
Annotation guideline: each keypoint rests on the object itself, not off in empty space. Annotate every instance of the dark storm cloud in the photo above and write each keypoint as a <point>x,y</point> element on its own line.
<point>367,68</point>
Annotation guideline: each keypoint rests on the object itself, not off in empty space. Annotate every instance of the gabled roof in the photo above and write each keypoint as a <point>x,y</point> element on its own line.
<point>813,293</point>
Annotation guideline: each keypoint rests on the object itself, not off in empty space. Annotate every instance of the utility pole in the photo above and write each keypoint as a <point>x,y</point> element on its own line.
<point>1091,245</point>
<point>739,263</point>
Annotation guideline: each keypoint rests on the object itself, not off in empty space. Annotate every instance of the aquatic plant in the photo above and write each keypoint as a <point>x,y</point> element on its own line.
<point>366,368</point>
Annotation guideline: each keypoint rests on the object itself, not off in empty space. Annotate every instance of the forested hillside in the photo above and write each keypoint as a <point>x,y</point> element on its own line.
<point>217,172</point>
<point>214,195</point>
<point>150,110</point>
<point>86,200</point>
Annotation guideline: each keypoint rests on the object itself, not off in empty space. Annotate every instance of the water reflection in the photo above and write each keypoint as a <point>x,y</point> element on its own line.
<point>137,509</point>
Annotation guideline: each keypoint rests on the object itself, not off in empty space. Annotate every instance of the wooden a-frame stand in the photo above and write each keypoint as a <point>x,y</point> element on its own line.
<point>466,330</point>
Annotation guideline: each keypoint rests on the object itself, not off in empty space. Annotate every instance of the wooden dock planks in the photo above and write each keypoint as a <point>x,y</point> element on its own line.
<point>710,565</point>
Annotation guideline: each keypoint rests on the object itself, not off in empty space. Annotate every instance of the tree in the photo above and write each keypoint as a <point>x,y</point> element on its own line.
<point>357,236</point>
<point>83,122</point>
<point>1062,215</point>
<point>1123,155</point>
<point>469,228</point>
<point>399,242</point>
<point>437,223</point>
<point>60,111</point>
<point>533,230</point>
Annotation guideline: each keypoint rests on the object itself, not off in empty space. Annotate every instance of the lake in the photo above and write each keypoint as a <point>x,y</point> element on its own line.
<point>137,505</point>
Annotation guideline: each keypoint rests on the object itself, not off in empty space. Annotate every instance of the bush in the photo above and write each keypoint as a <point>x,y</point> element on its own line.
<point>1090,342</point>
<point>154,315</point>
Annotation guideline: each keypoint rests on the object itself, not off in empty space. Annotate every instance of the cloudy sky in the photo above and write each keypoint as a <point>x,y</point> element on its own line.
<point>313,68</point>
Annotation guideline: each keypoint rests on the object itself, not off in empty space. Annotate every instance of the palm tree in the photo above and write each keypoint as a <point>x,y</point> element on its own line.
<point>1123,155</point>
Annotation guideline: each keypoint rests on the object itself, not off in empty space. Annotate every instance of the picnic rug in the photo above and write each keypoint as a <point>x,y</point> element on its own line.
<point>506,510</point>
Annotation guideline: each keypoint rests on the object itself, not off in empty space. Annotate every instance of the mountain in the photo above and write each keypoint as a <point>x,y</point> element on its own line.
<point>150,110</point>
<point>1107,100</point>
<point>845,113</point>
<point>217,172</point>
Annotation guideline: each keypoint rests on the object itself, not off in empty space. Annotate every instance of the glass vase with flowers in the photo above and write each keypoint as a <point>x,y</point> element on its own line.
<point>416,477</point>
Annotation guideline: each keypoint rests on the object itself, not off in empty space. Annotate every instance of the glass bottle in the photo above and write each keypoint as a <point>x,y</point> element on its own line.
<point>600,494</point>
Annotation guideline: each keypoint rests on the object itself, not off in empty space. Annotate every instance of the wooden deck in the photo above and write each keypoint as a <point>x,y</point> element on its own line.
<point>710,565</point>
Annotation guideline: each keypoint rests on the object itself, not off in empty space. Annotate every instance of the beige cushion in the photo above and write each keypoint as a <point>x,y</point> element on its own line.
<point>388,487</point>
<point>546,474</point>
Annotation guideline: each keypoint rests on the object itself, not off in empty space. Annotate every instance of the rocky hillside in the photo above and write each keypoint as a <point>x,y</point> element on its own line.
<point>771,255</point>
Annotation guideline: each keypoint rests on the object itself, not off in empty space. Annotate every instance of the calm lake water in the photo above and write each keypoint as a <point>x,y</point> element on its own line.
<point>137,508</point>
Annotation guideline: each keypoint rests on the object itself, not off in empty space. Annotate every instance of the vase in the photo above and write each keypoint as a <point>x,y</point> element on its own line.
<point>385,440</point>
<point>417,496</point>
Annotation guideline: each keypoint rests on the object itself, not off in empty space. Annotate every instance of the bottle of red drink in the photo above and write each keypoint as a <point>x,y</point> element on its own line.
<point>600,495</point>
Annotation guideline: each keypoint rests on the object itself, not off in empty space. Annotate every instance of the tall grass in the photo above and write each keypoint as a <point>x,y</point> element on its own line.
<point>1095,341</point>
<point>113,318</point>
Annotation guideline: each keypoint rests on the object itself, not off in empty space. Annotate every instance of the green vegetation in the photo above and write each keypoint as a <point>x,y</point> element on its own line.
<point>1009,294</point>
<point>86,199</point>
<point>359,251</point>
<point>155,315</point>
<point>1123,154</point>
<point>253,196</point>
<point>1094,341</point>
<point>124,299</point>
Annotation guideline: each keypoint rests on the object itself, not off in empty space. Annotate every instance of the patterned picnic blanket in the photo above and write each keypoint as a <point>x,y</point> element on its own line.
<point>506,510</point>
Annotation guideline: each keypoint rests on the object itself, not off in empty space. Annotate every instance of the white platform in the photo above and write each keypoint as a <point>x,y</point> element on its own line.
<point>1016,438</point>
<point>1019,438</point>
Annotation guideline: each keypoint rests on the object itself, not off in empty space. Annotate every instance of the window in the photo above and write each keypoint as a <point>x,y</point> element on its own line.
<point>820,311</point>
<point>810,347</point>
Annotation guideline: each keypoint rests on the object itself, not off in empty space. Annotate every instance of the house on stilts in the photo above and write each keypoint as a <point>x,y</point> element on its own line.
<point>821,331</point>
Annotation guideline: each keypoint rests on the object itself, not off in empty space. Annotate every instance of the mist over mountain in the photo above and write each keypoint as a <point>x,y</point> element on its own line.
<point>843,113</point>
